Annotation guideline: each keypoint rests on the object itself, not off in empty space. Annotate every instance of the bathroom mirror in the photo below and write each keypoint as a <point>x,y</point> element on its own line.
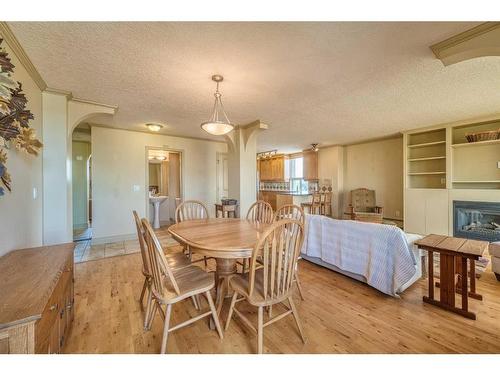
<point>158,172</point>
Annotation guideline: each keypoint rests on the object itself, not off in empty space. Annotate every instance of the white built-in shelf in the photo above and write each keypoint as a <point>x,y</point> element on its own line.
<point>429,158</point>
<point>427,144</point>
<point>477,182</point>
<point>482,143</point>
<point>424,173</point>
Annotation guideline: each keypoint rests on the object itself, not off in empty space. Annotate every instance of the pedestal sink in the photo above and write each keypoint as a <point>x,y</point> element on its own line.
<point>156,201</point>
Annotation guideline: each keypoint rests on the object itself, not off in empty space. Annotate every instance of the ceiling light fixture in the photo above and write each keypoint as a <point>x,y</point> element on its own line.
<point>154,127</point>
<point>314,147</point>
<point>219,123</point>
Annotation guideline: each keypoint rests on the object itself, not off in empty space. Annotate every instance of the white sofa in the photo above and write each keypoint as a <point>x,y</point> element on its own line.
<point>495,258</point>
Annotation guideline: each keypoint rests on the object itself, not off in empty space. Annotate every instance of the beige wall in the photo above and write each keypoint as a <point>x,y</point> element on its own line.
<point>20,213</point>
<point>378,166</point>
<point>119,164</point>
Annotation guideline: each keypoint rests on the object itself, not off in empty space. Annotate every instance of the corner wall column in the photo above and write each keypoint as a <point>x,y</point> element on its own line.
<point>242,164</point>
<point>61,114</point>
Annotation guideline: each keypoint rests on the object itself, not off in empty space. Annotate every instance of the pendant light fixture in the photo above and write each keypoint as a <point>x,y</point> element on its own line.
<point>219,123</point>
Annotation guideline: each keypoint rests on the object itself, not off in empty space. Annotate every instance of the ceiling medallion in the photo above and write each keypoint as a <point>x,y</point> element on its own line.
<point>218,124</point>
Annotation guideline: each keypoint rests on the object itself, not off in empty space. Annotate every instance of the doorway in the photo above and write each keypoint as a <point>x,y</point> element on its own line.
<point>82,183</point>
<point>164,185</point>
<point>222,176</point>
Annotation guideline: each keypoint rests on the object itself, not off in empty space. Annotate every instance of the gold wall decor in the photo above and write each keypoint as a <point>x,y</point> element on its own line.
<point>14,119</point>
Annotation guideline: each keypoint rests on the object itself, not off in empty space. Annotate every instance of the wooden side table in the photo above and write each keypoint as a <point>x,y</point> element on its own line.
<point>453,255</point>
<point>226,210</point>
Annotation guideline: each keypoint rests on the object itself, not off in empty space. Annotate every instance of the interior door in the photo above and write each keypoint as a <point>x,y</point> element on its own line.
<point>222,177</point>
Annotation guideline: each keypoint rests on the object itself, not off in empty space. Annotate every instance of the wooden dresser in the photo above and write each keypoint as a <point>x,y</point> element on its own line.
<point>36,299</point>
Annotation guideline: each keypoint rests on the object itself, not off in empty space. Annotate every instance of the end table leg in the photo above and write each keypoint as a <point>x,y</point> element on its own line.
<point>465,292</point>
<point>472,273</point>
<point>431,273</point>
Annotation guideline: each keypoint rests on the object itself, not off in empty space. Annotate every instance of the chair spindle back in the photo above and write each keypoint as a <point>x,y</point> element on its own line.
<point>190,210</point>
<point>158,262</point>
<point>278,250</point>
<point>260,212</point>
<point>291,212</point>
<point>142,243</point>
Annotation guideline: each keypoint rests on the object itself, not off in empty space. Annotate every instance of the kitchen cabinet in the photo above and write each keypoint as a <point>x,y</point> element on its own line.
<point>275,168</point>
<point>310,165</point>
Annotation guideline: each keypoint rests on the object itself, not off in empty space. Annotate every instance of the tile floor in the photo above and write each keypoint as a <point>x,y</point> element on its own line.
<point>85,251</point>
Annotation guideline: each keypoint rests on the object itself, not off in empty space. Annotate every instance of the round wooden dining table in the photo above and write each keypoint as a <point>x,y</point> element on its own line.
<point>225,239</point>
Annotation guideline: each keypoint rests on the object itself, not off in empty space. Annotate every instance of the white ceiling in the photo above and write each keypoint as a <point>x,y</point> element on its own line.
<point>330,83</point>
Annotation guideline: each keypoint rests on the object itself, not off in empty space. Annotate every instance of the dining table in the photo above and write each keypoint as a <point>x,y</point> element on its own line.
<point>224,239</point>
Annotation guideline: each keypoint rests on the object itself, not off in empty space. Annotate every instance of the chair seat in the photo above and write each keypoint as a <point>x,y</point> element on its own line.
<point>240,284</point>
<point>177,260</point>
<point>191,280</point>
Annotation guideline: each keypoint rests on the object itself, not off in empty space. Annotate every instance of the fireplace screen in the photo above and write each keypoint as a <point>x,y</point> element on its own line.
<point>476,220</point>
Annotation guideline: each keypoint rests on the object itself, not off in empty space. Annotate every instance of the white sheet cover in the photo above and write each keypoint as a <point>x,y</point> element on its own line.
<point>378,252</point>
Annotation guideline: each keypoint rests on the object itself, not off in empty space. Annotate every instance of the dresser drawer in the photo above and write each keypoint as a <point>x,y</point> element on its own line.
<point>46,327</point>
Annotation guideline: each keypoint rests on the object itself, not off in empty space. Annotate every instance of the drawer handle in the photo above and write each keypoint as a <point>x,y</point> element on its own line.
<point>69,306</point>
<point>53,307</point>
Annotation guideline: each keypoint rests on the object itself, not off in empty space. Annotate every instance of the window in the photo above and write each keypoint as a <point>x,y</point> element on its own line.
<point>297,168</point>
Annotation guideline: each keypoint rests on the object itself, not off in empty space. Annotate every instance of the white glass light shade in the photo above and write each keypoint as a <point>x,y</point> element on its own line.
<point>217,128</point>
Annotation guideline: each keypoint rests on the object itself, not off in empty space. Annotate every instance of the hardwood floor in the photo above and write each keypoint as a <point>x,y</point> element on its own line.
<point>339,315</point>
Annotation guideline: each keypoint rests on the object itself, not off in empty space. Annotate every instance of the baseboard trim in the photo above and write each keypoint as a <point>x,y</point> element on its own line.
<point>110,239</point>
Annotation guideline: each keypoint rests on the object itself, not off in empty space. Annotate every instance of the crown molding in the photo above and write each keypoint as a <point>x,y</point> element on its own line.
<point>85,101</point>
<point>94,125</point>
<point>18,50</point>
<point>66,93</point>
<point>467,45</point>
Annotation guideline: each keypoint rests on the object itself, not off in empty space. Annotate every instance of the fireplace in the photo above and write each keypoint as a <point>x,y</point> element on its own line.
<point>476,220</point>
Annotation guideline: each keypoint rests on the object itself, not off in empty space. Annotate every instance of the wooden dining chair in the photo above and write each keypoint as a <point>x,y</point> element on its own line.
<point>259,212</point>
<point>170,286</point>
<point>314,206</point>
<point>279,247</point>
<point>175,260</point>
<point>292,212</point>
<point>192,210</point>
<point>326,204</point>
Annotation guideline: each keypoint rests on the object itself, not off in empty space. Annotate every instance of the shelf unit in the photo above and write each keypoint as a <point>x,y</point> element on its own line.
<point>426,159</point>
<point>441,166</point>
<point>475,165</point>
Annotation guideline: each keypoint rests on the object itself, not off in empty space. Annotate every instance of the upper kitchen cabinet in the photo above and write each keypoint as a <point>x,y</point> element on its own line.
<point>310,171</point>
<point>275,168</point>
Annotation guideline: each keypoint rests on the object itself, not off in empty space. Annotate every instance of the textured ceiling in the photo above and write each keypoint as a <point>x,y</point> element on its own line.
<point>330,83</point>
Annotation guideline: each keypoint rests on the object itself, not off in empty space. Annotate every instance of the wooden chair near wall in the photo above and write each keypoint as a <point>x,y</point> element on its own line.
<point>170,286</point>
<point>292,212</point>
<point>314,206</point>
<point>363,206</point>
<point>192,210</point>
<point>278,247</point>
<point>259,212</point>
<point>326,201</point>
<point>175,261</point>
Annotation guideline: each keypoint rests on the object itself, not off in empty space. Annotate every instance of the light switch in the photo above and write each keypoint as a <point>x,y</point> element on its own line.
<point>79,157</point>
<point>136,188</point>
<point>498,164</point>
<point>35,193</point>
